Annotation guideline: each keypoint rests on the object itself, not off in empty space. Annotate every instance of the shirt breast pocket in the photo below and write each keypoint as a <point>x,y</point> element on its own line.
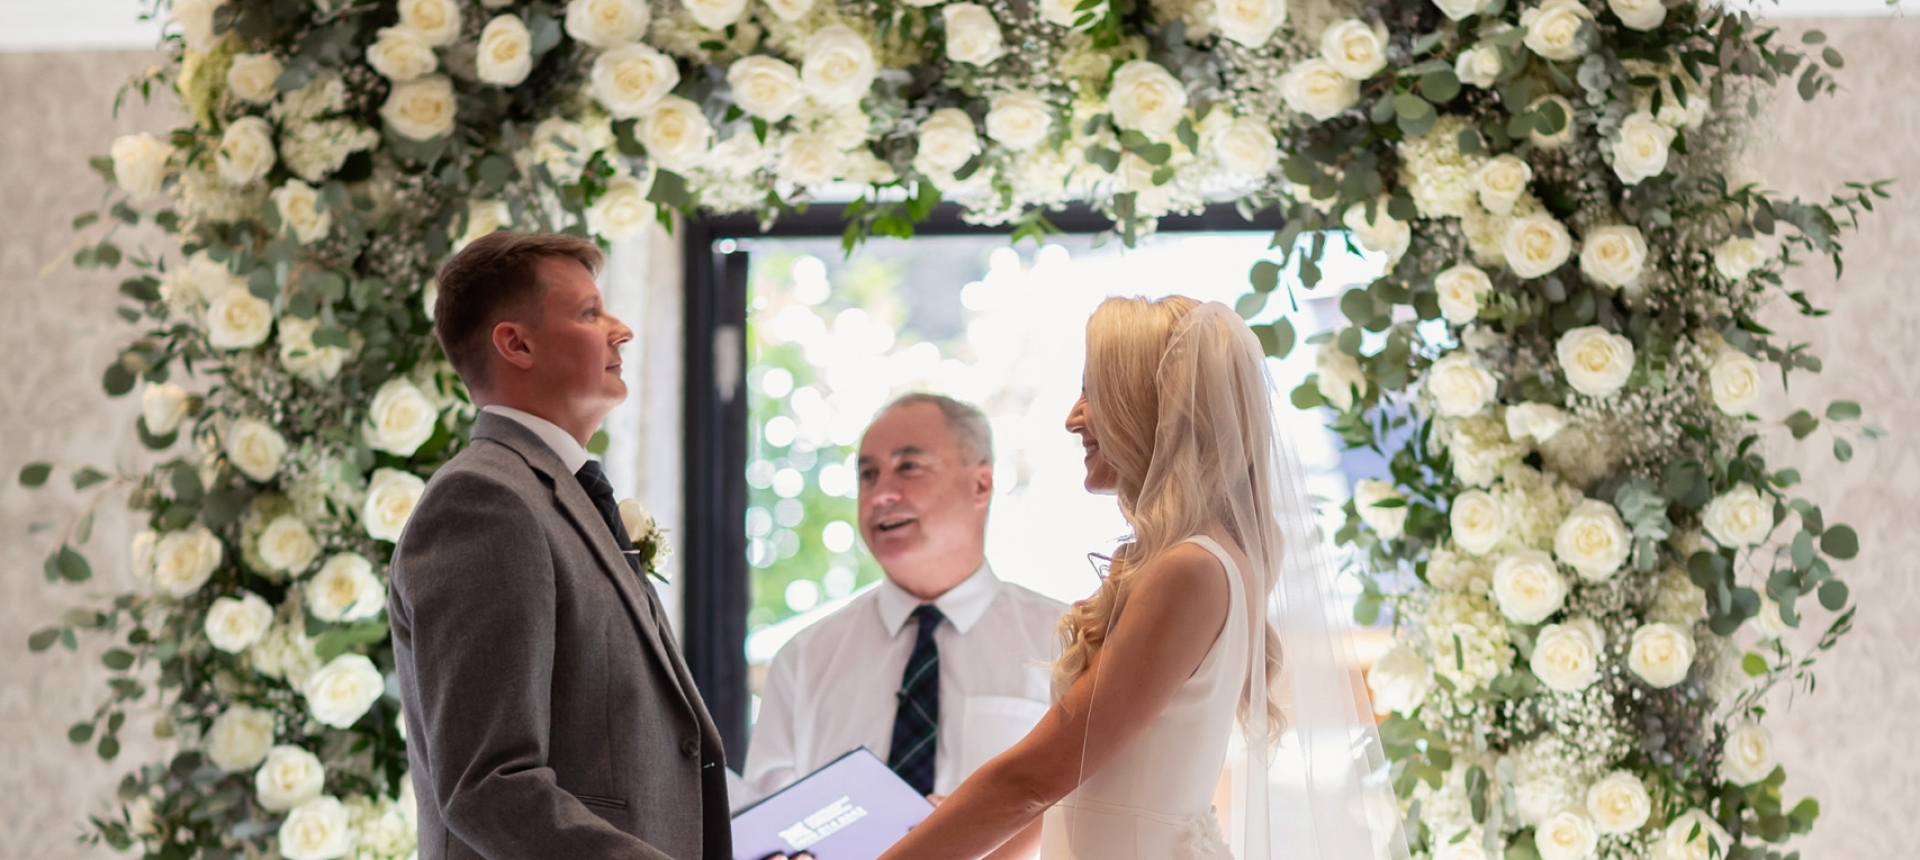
<point>991,724</point>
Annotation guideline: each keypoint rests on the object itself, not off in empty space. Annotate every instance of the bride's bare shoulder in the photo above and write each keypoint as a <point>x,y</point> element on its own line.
<point>1188,570</point>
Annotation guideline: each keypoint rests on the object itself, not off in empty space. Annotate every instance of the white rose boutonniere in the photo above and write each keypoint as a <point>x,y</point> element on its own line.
<point>246,151</point>
<point>239,738</point>
<point>506,52</point>
<point>1355,48</point>
<point>342,691</point>
<point>1640,15</point>
<point>437,21</point>
<point>607,23</point>
<point>255,449</point>
<point>252,77</point>
<point>676,133</point>
<point>1398,682</point>
<point>299,207</point>
<point>183,561</point>
<point>1567,835</point>
<point>947,141</point>
<point>1597,362</point>
<point>1249,22</point>
<point>622,212</point>
<point>1737,257</point>
<point>402,55</point>
<point>162,407</point>
<point>635,519</point>
<point>140,164</point>
<point>1389,520</point>
<point>1019,121</point>
<point>764,87</point>
<point>391,497</point>
<point>288,778</point>
<point>1316,88</point>
<point>1593,540</point>
<point>1566,657</point>
<point>1553,29</point>
<point>1536,245</point>
<point>287,545</point>
<point>1619,803</point>
<point>320,829</point>
<point>1528,587</point>
<point>1693,836</point>
<point>1463,290</point>
<point>973,36</point>
<point>1340,376</point>
<point>1614,256</point>
<point>809,159</point>
<point>400,419</point>
<point>1479,521</point>
<point>1747,757</point>
<point>345,589</point>
<point>1661,654</point>
<point>1146,98</point>
<point>839,67</point>
<point>1738,517</point>
<point>1460,387</point>
<point>715,14</point>
<point>421,109</point>
<point>628,81</point>
<point>1734,382</point>
<point>1641,151</point>
<point>233,623</point>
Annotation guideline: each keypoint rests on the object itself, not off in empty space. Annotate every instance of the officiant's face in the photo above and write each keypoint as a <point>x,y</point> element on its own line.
<point>923,502</point>
<point>1101,478</point>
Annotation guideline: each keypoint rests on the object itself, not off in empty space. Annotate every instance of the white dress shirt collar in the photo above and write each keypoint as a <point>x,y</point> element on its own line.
<point>571,452</point>
<point>963,604</point>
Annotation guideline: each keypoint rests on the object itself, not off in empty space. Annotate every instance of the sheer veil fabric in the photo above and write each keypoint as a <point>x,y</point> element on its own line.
<point>1308,772</point>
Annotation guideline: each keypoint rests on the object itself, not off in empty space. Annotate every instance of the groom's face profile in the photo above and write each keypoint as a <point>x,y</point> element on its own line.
<point>570,347</point>
<point>923,501</point>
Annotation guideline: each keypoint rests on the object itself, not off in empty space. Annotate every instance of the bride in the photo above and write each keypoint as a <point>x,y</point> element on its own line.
<point>1176,420</point>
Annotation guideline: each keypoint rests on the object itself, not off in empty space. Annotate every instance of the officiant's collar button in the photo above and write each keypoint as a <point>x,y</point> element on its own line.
<point>691,747</point>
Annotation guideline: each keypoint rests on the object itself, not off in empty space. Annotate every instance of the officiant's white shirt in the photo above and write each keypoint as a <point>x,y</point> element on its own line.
<point>832,688</point>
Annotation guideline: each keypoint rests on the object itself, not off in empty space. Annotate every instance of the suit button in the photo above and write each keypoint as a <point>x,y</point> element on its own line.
<point>691,747</point>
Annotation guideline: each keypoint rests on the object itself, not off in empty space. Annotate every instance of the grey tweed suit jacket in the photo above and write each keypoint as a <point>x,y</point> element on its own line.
<point>549,713</point>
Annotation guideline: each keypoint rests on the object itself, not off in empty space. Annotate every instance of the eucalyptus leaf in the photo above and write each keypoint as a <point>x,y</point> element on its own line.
<point>1840,542</point>
<point>35,474</point>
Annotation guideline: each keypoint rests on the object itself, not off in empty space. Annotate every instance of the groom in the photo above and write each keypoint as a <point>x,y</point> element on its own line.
<point>549,714</point>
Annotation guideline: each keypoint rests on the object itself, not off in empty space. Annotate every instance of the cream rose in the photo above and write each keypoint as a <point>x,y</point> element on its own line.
<point>1536,245</point>
<point>1597,362</point>
<point>1748,755</point>
<point>1480,66</point>
<point>1340,376</point>
<point>1639,14</point>
<point>973,36</point>
<point>235,623</point>
<point>790,10</point>
<point>1458,10</point>
<point>288,778</point>
<point>251,77</point>
<point>239,737</point>
<point>1567,835</point>
<point>255,449</point>
<point>401,55</point>
<point>1479,521</point>
<point>1463,290</point>
<point>183,561</point>
<point>1738,517</point>
<point>315,364</point>
<point>1619,803</point>
<point>162,407</point>
<point>1459,386</point>
<point>1737,257</point>
<point>343,690</point>
<point>1734,382</point>
<point>1558,138</point>
<point>676,133</point>
<point>320,829</point>
<point>1387,522</point>
<point>1661,654</point>
<point>140,164</point>
<point>195,18</point>
<point>1528,587</point>
<point>1146,98</point>
<point>1019,121</point>
<point>607,23</point>
<point>839,67</point>
<point>1315,88</point>
<point>628,81</point>
<point>715,14</point>
<point>622,212</point>
<point>1501,182</point>
<point>299,207</point>
<point>1246,148</point>
<point>1593,540</point>
<point>246,151</point>
<point>287,545</point>
<point>391,497</point>
<point>238,320</point>
<point>1249,22</point>
<point>1385,233</point>
<point>1355,48</point>
<point>437,21</point>
<point>1641,151</point>
<point>1061,13</point>
<point>1614,256</point>
<point>1566,657</point>
<point>809,159</point>
<point>483,217</point>
<point>635,519</point>
<point>764,87</point>
<point>1553,29</point>
<point>1398,682</point>
<point>947,141</point>
<point>506,52</point>
<point>1693,836</point>
<point>1538,420</point>
<point>421,109</point>
<point>345,589</point>
<point>400,419</point>
<point>562,147</point>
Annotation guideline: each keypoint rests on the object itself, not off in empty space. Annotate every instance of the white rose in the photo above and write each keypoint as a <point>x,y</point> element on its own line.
<point>506,52</point>
<point>1356,49</point>
<point>1558,138</point>
<point>1709,841</point>
<point>1249,22</point>
<point>483,217</point>
<point>1460,387</point>
<point>1480,66</point>
<point>140,164</point>
<point>195,18</point>
<point>1340,376</point>
<point>320,829</point>
<point>1246,148</point>
<point>1567,835</point>
<point>1619,803</point>
<point>676,133</point>
<point>1398,681</point>
<point>437,21</point>
<point>1501,182</point>
<point>1315,88</point>
<point>973,36</point>
<point>401,55</point>
<point>391,497</point>
<point>1566,657</point>
<point>1539,420</point>
<point>622,212</point>
<point>1459,9</point>
<point>287,545</point>
<point>1593,540</point>
<point>809,159</point>
<point>790,10</point>
<point>839,66</point>
<point>421,109</point>
<point>764,87</point>
<point>628,81</point>
<point>607,23</point>
<point>947,141</point>
<point>1479,521</point>
<point>1748,755</point>
<point>255,449</point>
<point>1639,14</point>
<point>1388,522</point>
<point>1661,654</point>
<point>233,624</point>
<point>1536,245</point>
<point>1463,290</point>
<point>1553,29</point>
<point>865,168</point>
<point>251,78</point>
<point>715,14</point>
<point>1734,381</point>
<point>182,561</point>
<point>246,151</point>
<point>1146,98</point>
<point>1597,362</point>
<point>240,737</point>
<point>1385,233</point>
<point>1614,256</point>
<point>401,418</point>
<point>1738,517</point>
<point>1061,13</point>
<point>238,320</point>
<point>345,589</point>
<point>1468,848</point>
<point>562,147</point>
<point>1641,151</point>
<point>1019,121</point>
<point>635,519</point>
<point>288,778</point>
<point>343,690</point>
<point>429,298</point>
<point>316,364</point>
<point>1528,587</point>
<point>299,206</point>
<point>162,407</point>
<point>1737,257</point>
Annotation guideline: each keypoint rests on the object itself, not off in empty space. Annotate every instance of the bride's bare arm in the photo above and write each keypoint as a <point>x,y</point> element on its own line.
<point>1174,612</point>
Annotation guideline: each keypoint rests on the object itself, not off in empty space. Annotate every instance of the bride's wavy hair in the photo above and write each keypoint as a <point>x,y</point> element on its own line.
<point>1168,496</point>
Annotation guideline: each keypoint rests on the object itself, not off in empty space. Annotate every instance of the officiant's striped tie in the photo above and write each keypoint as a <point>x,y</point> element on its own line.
<point>916,724</point>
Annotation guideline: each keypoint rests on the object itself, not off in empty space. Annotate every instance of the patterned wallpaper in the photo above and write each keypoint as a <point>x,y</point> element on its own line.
<point>1852,744</point>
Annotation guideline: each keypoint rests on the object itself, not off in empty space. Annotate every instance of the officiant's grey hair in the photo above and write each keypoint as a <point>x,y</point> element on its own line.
<point>964,420</point>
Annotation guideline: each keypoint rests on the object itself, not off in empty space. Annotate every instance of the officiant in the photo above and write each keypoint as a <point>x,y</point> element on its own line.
<point>940,667</point>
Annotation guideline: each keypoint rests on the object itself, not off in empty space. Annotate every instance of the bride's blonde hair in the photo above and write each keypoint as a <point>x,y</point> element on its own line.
<point>1126,341</point>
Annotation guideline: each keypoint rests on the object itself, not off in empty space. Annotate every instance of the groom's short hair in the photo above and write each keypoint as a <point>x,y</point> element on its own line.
<point>494,278</point>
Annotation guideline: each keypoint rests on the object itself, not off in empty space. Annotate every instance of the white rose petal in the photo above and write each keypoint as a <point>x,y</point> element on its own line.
<point>1558,138</point>
<point>1734,381</point>
<point>1566,657</point>
<point>947,141</point>
<point>195,18</point>
<point>1246,148</point>
<point>1709,841</point>
<point>1619,803</point>
<point>401,418</point>
<point>1459,386</point>
<point>1479,521</point>
<point>1567,835</point>
<point>715,14</point>
<point>238,320</point>
<point>676,133</point>
<point>764,87</point>
<point>320,829</point>
<point>182,561</point>
<point>1463,290</point>
<point>1640,153</point>
<point>635,519</point>
<point>1737,257</point>
<point>1480,66</point>
<point>299,206</point>
<point>1249,22</point>
<point>239,738</point>
<point>1738,517</point>
<point>1661,654</point>
<point>628,81</point>
<point>345,589</point>
<point>1019,121</point>
<point>401,55</point>
<point>421,109</point>
<point>246,151</point>
<point>1355,48</point>
<point>1387,522</point>
<point>1593,540</point>
<point>437,21</point>
<point>235,623</point>
<point>809,159</point>
<point>1146,98</point>
<point>1398,682</point>
<point>1614,256</point>
<point>622,212</point>
<point>342,691</point>
<point>1639,14</point>
<point>140,164</point>
<point>1553,29</point>
<point>1538,420</point>
<point>287,545</point>
<point>391,497</point>
<point>1597,362</point>
<point>562,147</point>
<point>973,36</point>
<point>506,52</point>
<point>1747,757</point>
<point>1340,376</point>
<point>1315,88</point>
<point>607,23</point>
<point>315,364</point>
<point>162,407</point>
<point>1458,10</point>
<point>483,217</point>
<point>1501,182</point>
<point>790,10</point>
<point>288,778</point>
<point>251,78</point>
<point>255,449</point>
<point>1384,233</point>
<point>839,67</point>
<point>1536,245</point>
<point>1528,587</point>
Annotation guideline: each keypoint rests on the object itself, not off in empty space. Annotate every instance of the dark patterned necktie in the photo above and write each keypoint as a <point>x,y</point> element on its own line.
<point>916,725</point>
<point>593,479</point>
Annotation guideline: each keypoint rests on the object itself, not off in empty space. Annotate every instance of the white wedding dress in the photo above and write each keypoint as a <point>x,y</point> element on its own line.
<point>1154,800</point>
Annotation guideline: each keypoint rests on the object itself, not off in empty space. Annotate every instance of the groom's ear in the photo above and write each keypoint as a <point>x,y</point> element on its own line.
<point>511,345</point>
